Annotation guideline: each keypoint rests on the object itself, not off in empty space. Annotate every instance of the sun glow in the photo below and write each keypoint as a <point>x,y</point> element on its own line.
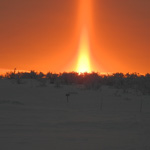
<point>83,64</point>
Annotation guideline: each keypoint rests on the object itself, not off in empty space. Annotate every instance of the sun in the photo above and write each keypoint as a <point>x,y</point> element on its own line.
<point>83,63</point>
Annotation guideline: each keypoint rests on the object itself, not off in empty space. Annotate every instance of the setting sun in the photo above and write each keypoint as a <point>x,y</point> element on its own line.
<point>83,64</point>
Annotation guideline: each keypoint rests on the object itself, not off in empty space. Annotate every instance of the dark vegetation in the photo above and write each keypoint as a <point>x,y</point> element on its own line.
<point>88,80</point>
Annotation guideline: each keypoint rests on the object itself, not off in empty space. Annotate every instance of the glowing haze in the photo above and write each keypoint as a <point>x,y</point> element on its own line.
<point>75,35</point>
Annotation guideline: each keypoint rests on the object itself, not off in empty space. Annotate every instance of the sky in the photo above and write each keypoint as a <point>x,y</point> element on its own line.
<point>46,35</point>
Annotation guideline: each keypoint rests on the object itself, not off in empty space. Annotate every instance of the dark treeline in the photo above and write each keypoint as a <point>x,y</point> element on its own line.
<point>89,80</point>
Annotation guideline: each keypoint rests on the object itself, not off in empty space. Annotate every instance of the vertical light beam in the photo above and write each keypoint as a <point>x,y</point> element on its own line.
<point>83,62</point>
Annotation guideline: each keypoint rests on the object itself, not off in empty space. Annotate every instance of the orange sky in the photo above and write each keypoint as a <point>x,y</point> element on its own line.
<point>44,35</point>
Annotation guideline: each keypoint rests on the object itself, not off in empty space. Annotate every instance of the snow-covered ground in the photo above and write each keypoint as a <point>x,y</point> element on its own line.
<point>35,117</point>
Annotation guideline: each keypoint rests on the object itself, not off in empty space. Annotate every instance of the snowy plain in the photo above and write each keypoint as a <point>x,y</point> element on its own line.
<point>36,117</point>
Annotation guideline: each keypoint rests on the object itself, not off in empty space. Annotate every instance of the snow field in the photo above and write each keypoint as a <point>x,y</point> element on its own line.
<point>36,117</point>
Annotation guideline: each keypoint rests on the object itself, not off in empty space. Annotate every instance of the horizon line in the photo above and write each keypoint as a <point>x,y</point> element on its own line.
<point>4,71</point>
